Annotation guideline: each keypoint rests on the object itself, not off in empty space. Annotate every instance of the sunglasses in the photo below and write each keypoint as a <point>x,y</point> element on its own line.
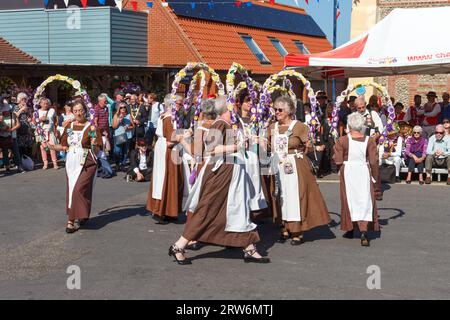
<point>446,121</point>
<point>279,110</point>
<point>416,132</point>
<point>439,132</point>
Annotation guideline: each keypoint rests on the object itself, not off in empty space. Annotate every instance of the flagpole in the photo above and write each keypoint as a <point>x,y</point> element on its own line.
<point>333,89</point>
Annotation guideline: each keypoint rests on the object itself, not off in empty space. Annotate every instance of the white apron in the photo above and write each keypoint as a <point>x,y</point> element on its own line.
<point>238,208</point>
<point>257,199</point>
<point>357,181</point>
<point>159,161</point>
<point>289,187</point>
<point>186,158</point>
<point>190,204</point>
<point>76,156</point>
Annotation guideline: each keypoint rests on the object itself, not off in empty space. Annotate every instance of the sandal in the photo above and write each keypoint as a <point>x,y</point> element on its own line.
<point>71,227</point>
<point>248,256</point>
<point>283,237</point>
<point>296,241</point>
<point>364,240</point>
<point>173,250</point>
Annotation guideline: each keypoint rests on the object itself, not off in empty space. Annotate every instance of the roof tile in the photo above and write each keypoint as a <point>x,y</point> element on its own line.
<point>12,55</point>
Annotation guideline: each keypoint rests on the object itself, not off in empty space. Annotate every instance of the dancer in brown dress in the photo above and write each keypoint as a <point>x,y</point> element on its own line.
<point>222,215</point>
<point>164,198</point>
<point>302,206</point>
<point>81,165</point>
<point>357,156</point>
<point>193,142</point>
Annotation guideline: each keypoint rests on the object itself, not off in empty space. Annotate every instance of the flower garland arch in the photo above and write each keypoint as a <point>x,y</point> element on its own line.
<point>182,74</point>
<point>231,96</point>
<point>360,89</point>
<point>265,103</point>
<point>77,86</point>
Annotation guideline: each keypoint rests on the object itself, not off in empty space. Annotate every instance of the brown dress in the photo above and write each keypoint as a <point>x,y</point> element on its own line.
<point>207,223</point>
<point>313,210</point>
<point>341,155</point>
<point>197,149</point>
<point>172,192</point>
<point>82,192</point>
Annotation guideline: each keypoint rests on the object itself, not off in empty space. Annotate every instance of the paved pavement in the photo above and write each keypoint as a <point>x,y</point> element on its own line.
<point>123,254</point>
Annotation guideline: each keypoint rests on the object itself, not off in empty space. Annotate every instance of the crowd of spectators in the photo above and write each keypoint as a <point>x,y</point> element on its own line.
<point>128,123</point>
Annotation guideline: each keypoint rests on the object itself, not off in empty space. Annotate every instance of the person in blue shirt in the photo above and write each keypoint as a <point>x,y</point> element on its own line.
<point>438,152</point>
<point>445,107</point>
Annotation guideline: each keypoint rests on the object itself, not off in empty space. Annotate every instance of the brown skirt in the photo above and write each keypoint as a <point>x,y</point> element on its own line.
<point>346,220</point>
<point>82,192</point>
<point>207,223</point>
<point>313,210</point>
<point>172,193</point>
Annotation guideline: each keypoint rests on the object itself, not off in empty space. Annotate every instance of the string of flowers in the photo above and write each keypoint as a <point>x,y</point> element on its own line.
<point>77,86</point>
<point>182,74</point>
<point>252,87</point>
<point>385,96</point>
<point>198,103</point>
<point>265,103</point>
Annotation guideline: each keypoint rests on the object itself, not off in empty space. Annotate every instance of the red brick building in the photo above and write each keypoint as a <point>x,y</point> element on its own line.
<point>178,33</point>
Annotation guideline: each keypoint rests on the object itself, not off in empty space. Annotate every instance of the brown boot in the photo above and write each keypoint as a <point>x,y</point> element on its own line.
<point>428,180</point>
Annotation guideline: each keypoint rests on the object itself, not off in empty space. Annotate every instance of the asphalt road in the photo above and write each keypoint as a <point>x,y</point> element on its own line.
<point>122,254</point>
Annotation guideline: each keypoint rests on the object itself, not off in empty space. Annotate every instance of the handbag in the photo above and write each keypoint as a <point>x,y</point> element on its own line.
<point>27,163</point>
<point>387,173</point>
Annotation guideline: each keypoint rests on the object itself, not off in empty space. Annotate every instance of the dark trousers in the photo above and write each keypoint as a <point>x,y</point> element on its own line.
<point>412,164</point>
<point>145,173</point>
<point>16,153</point>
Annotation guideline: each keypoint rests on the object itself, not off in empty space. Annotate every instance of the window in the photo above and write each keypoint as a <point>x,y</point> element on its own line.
<point>277,44</point>
<point>301,47</point>
<point>255,49</point>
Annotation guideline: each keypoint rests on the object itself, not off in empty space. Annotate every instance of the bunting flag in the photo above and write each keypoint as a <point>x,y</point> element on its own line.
<point>150,4</point>
<point>46,3</point>
<point>248,4</point>
<point>211,4</point>
<point>307,2</point>
<point>296,2</point>
<point>66,2</point>
<point>102,2</point>
<point>338,11</point>
<point>192,5</point>
<point>272,2</point>
<point>238,3</point>
<point>135,5</point>
<point>119,4</point>
<point>84,3</point>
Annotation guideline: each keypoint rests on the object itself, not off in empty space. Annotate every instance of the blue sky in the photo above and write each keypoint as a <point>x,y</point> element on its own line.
<point>322,12</point>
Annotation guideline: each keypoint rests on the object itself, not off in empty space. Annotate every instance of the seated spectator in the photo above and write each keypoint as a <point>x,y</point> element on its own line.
<point>400,115</point>
<point>390,152</point>
<point>416,152</point>
<point>438,152</point>
<point>140,162</point>
<point>446,124</point>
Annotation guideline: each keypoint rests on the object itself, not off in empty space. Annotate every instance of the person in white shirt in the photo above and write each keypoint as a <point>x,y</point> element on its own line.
<point>391,152</point>
<point>157,109</point>
<point>140,162</point>
<point>438,153</point>
<point>373,124</point>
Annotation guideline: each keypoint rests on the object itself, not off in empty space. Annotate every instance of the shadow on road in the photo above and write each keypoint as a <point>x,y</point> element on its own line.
<point>114,214</point>
<point>385,222</point>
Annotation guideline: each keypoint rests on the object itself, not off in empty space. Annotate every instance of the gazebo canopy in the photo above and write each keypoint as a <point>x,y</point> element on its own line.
<point>407,41</point>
